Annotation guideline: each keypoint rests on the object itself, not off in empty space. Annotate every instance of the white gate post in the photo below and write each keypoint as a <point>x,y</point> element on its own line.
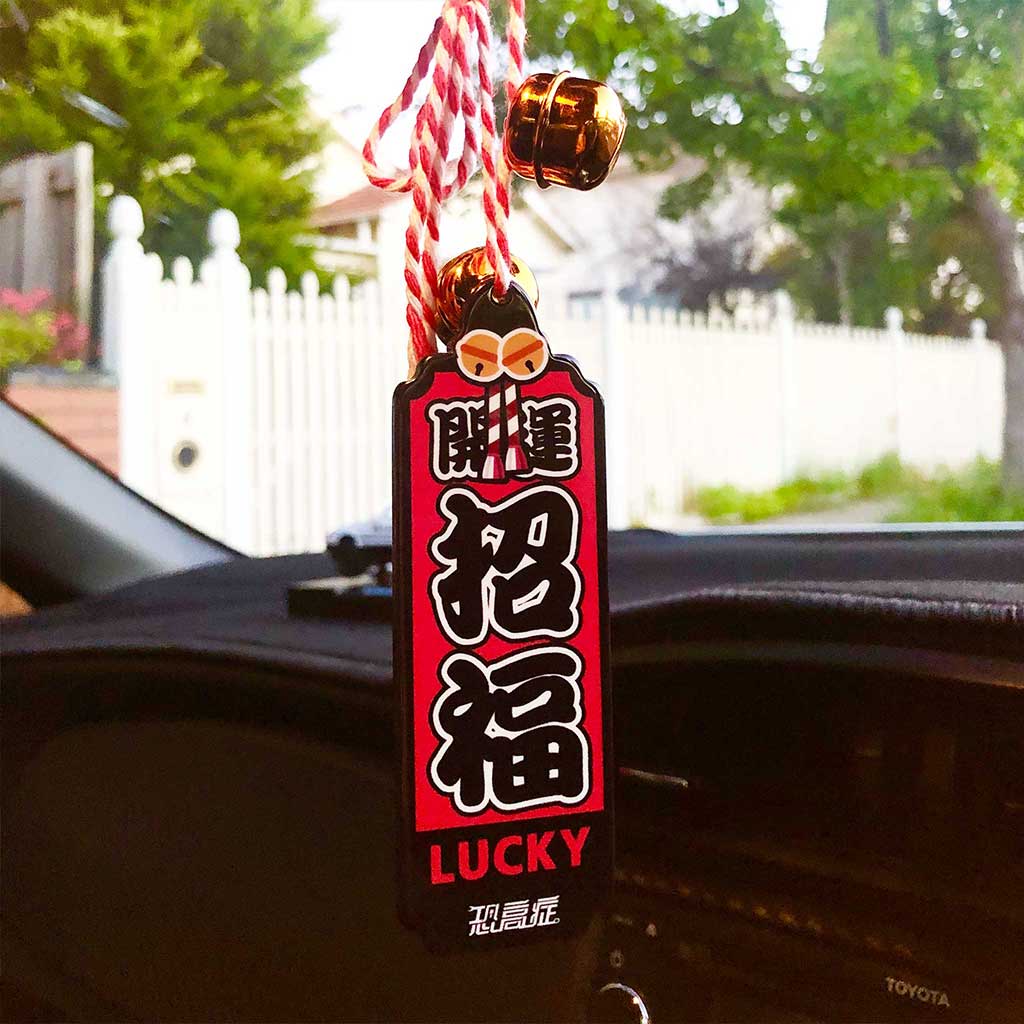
<point>227,275</point>
<point>615,386</point>
<point>786,339</point>
<point>127,351</point>
<point>897,342</point>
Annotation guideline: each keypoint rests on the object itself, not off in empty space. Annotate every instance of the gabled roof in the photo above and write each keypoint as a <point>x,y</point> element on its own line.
<point>364,202</point>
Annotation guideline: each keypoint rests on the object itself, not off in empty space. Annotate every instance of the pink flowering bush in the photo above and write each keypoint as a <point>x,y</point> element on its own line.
<point>30,333</point>
<point>24,303</point>
<point>71,338</point>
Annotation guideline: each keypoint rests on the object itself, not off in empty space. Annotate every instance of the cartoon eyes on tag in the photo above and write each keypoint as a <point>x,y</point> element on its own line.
<point>523,354</point>
<point>477,353</point>
<point>483,356</point>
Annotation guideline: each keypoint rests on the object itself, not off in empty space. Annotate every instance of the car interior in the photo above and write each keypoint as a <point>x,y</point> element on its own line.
<point>819,757</point>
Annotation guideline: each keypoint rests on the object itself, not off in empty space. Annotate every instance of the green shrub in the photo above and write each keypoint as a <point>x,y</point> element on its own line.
<point>23,339</point>
<point>885,477</point>
<point>805,493</point>
<point>971,495</point>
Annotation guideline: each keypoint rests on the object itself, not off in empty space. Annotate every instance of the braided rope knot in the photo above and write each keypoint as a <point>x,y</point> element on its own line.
<point>461,87</point>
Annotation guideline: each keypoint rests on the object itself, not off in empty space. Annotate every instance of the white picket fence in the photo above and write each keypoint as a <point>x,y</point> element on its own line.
<point>263,416</point>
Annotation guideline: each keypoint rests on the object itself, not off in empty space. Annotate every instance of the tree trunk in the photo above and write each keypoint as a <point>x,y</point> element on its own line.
<point>882,28</point>
<point>1000,227</point>
<point>1013,425</point>
<point>841,260</point>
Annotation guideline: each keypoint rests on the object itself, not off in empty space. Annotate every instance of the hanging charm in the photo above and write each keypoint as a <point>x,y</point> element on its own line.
<point>499,538</point>
<point>501,636</point>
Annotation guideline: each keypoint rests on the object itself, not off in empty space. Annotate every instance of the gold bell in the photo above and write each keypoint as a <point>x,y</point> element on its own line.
<point>564,131</point>
<point>462,276</point>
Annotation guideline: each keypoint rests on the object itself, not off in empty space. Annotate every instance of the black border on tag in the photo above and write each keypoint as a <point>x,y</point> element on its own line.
<point>439,913</point>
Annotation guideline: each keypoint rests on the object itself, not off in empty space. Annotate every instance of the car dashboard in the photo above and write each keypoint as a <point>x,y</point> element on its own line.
<point>820,799</point>
<point>801,841</point>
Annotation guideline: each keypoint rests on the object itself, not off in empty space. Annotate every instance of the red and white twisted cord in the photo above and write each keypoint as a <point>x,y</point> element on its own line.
<point>459,51</point>
<point>516,37</point>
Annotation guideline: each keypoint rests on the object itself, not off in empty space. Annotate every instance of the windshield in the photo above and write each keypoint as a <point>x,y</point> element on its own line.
<point>799,289</point>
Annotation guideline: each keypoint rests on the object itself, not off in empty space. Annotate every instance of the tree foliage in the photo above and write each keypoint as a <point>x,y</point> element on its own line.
<point>189,105</point>
<point>873,147</point>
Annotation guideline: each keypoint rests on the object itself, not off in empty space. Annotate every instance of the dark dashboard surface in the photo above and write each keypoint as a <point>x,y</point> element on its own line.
<point>820,744</point>
<point>895,579</point>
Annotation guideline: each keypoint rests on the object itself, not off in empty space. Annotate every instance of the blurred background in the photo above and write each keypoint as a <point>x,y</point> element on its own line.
<point>801,290</point>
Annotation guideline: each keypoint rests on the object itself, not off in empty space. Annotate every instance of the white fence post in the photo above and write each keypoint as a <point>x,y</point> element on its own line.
<point>313,532</point>
<point>225,273</point>
<point>280,399</point>
<point>898,345</point>
<point>783,324</point>
<point>127,346</point>
<point>615,387</point>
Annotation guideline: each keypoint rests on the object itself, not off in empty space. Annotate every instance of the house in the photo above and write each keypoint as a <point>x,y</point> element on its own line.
<point>626,241</point>
<point>576,243</point>
<point>360,229</point>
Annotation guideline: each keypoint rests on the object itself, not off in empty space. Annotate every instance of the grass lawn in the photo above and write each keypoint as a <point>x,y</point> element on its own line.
<point>974,494</point>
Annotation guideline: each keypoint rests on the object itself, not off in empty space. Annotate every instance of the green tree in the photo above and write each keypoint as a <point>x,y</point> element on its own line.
<point>912,117</point>
<point>189,105</point>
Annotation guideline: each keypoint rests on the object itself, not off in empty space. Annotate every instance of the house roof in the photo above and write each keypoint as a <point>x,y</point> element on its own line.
<point>367,201</point>
<point>364,202</point>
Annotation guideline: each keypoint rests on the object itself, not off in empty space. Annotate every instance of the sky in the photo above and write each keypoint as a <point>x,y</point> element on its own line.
<point>377,41</point>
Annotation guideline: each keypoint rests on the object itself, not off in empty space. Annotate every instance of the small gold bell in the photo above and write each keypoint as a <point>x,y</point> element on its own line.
<point>564,131</point>
<point>459,280</point>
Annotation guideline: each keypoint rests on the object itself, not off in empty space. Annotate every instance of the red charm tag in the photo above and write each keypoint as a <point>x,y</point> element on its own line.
<point>501,637</point>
